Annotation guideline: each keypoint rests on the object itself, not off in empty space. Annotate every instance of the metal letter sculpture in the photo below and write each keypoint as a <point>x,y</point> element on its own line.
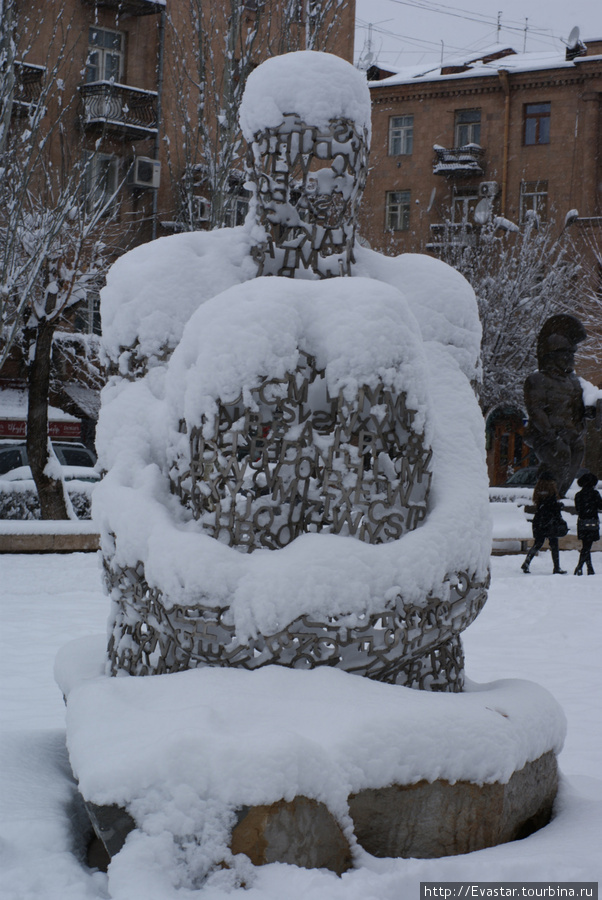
<point>292,459</point>
<point>308,208</point>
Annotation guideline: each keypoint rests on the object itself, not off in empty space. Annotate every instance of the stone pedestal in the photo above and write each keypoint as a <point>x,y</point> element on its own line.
<point>428,820</point>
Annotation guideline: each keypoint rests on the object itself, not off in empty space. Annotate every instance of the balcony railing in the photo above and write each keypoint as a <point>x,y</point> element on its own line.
<point>117,108</point>
<point>448,235</point>
<point>130,7</point>
<point>28,87</point>
<point>458,162</point>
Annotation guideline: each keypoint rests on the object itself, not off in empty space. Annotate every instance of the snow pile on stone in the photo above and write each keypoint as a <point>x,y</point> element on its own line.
<point>183,752</point>
<point>317,87</point>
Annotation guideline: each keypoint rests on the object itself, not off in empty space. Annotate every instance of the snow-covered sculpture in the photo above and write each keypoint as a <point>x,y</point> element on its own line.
<point>298,477</point>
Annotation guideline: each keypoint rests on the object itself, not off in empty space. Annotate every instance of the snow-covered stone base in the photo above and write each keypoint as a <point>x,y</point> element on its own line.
<point>186,753</point>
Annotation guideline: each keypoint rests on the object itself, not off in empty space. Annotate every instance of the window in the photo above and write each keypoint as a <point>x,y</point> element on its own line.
<point>467,127</point>
<point>463,205</point>
<point>537,123</point>
<point>533,201</point>
<point>397,210</point>
<point>105,55</point>
<point>87,321</point>
<point>101,181</point>
<point>401,135</point>
<point>237,207</point>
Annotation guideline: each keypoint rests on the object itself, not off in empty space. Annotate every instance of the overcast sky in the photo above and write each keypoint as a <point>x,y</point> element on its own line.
<point>405,32</point>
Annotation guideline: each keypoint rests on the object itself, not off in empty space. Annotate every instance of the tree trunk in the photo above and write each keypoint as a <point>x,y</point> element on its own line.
<point>51,491</point>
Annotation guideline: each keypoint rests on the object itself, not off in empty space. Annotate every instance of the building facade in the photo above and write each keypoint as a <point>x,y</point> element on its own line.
<point>129,108</point>
<point>502,140</point>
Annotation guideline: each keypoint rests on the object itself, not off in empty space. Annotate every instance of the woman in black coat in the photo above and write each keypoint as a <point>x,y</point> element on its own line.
<point>547,521</point>
<point>588,504</point>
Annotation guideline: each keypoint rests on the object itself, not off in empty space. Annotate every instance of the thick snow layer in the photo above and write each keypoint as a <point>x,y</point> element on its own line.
<point>152,291</point>
<point>514,62</point>
<point>318,87</point>
<point>540,627</point>
<point>440,298</point>
<point>226,738</point>
<point>360,332</point>
<point>357,328</point>
<point>13,405</point>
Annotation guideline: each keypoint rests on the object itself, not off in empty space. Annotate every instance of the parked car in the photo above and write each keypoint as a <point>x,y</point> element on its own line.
<point>77,460</point>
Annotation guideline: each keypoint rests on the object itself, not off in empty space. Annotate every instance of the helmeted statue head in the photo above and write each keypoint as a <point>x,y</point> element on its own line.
<point>306,118</point>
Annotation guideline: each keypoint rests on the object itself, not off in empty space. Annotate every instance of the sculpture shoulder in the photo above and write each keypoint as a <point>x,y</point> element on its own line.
<point>153,290</point>
<point>440,298</point>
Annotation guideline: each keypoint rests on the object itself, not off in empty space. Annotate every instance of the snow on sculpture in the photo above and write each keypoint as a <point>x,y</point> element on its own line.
<point>298,477</point>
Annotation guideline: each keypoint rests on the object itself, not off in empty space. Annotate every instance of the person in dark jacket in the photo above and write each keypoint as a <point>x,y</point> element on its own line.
<point>588,504</point>
<point>547,521</point>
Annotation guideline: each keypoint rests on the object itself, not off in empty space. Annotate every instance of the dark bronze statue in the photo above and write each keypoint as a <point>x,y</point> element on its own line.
<point>554,401</point>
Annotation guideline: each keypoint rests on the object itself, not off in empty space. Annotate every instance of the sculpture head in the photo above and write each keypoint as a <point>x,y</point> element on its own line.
<point>306,117</point>
<point>557,343</point>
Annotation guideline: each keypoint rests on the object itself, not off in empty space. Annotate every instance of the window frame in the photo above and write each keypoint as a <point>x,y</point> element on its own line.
<point>403,133</point>
<point>471,125</point>
<point>397,210</point>
<point>97,71</point>
<point>536,123</point>
<point>95,193</point>
<point>533,199</point>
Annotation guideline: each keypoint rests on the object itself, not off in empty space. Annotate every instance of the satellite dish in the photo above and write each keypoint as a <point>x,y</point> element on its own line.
<point>432,200</point>
<point>482,212</point>
<point>574,37</point>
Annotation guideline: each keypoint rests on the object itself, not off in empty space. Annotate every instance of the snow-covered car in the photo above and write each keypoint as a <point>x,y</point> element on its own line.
<point>77,461</point>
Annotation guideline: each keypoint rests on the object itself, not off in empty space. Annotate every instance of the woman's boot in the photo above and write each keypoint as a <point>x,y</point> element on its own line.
<point>556,560</point>
<point>579,569</point>
<point>525,566</point>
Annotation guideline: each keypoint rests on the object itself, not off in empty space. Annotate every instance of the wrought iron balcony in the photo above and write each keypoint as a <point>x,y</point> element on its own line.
<point>119,109</point>
<point>28,87</point>
<point>130,7</point>
<point>452,235</point>
<point>459,162</point>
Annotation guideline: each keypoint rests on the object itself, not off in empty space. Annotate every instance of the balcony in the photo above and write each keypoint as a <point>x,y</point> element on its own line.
<point>452,236</point>
<point>129,7</point>
<point>459,162</point>
<point>119,110</point>
<point>28,88</point>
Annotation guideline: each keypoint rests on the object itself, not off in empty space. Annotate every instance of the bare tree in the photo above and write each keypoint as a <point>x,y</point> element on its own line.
<point>214,54</point>
<point>51,248</point>
<point>520,279</point>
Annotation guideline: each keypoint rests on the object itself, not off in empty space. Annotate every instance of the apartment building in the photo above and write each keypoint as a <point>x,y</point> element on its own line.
<point>142,96</point>
<point>499,136</point>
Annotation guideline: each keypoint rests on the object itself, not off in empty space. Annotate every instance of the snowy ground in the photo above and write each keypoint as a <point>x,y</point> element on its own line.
<point>540,627</point>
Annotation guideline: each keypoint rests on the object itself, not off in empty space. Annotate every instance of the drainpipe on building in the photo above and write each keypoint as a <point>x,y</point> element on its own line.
<point>157,148</point>
<point>505,82</point>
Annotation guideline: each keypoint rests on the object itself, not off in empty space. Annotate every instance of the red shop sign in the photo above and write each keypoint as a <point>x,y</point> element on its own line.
<point>17,428</point>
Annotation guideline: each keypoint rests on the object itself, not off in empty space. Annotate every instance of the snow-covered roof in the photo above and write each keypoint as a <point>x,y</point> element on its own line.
<point>487,61</point>
<point>13,405</point>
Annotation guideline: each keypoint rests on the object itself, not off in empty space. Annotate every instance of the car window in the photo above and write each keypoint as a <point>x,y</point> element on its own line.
<point>9,459</point>
<point>76,456</point>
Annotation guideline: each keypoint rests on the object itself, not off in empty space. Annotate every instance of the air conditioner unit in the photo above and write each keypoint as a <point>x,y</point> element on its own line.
<point>488,189</point>
<point>145,173</point>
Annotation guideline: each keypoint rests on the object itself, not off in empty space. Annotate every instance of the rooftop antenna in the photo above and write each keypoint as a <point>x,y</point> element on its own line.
<point>499,26</point>
<point>525,40</point>
<point>369,56</point>
<point>442,47</point>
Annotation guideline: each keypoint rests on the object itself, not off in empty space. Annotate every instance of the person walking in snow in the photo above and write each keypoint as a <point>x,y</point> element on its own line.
<point>547,521</point>
<point>588,504</point>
